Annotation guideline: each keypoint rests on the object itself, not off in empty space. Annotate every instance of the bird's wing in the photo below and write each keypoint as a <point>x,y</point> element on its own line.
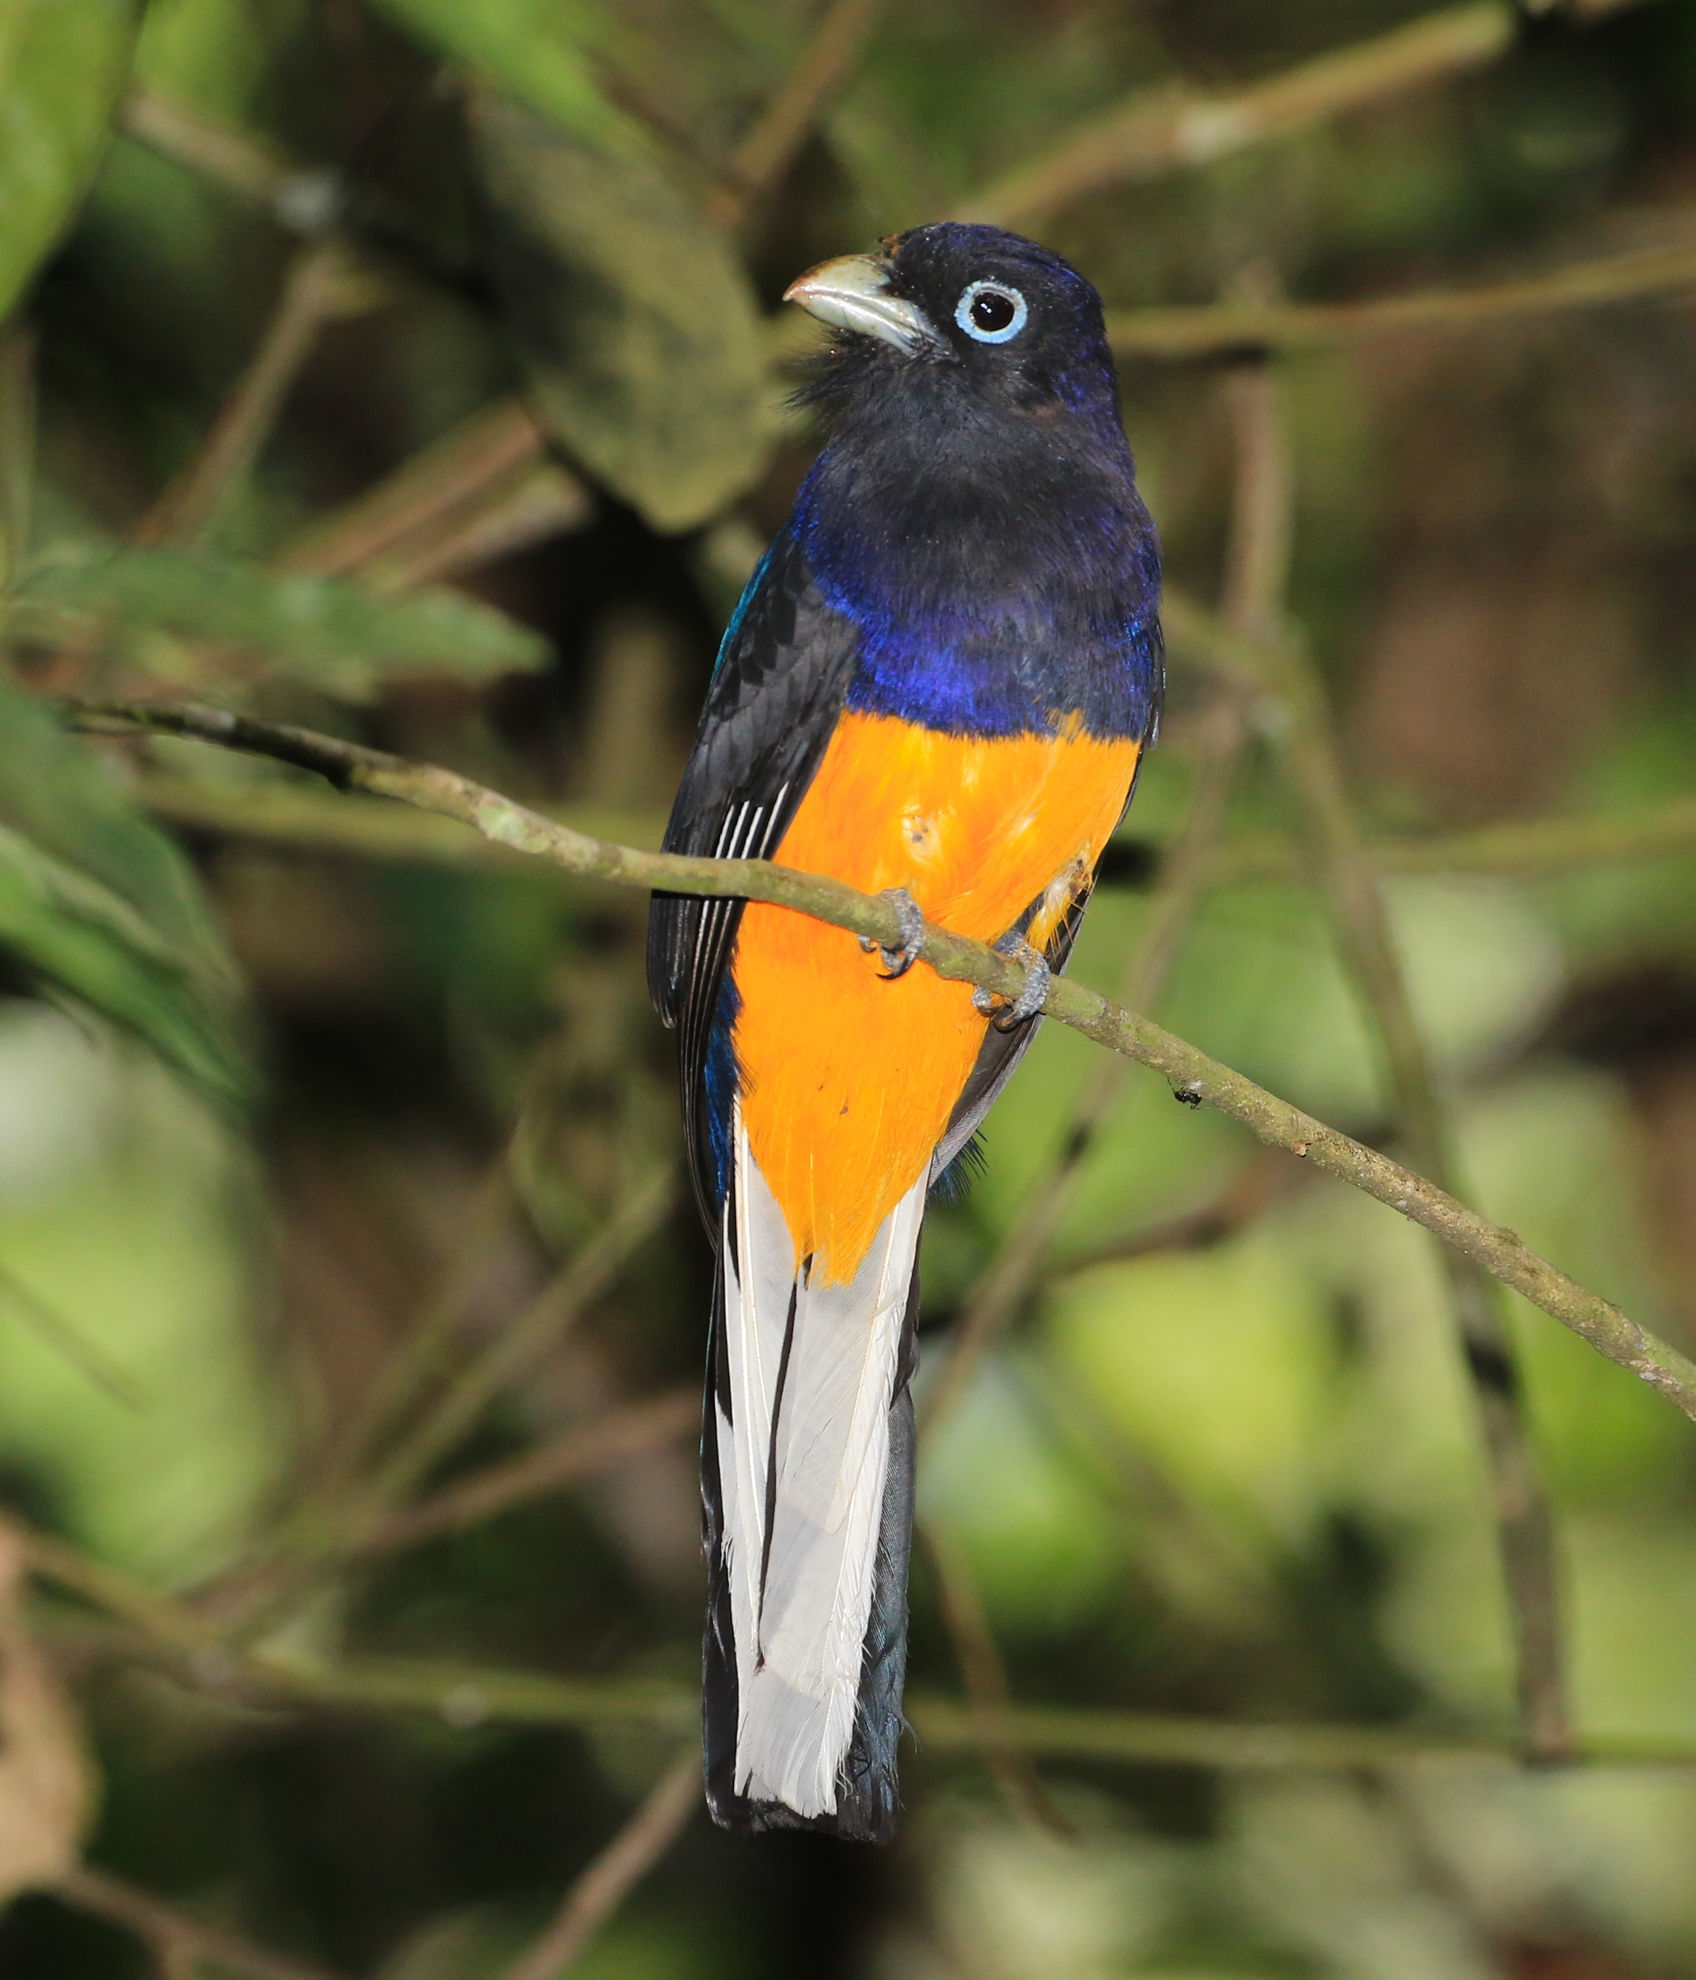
<point>779,685</point>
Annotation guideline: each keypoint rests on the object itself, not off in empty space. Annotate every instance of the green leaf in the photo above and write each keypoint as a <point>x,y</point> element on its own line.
<point>331,632</point>
<point>211,55</point>
<point>636,322</point>
<point>62,65</point>
<point>98,906</point>
<point>535,50</point>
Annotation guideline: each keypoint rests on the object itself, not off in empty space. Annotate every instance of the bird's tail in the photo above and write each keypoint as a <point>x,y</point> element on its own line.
<point>807,1488</point>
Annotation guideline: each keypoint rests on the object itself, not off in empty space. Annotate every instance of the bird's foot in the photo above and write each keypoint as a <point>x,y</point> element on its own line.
<point>1003,1015</point>
<point>897,962</point>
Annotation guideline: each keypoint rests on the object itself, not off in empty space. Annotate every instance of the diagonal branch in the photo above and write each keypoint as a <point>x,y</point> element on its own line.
<point>190,507</point>
<point>350,766</point>
<point>781,128</point>
<point>1154,132</point>
<point>172,1933</point>
<point>577,1453</point>
<point>609,1880</point>
<point>984,1675</point>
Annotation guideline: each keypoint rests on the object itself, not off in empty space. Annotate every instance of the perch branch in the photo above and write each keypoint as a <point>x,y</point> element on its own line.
<point>1271,1120</point>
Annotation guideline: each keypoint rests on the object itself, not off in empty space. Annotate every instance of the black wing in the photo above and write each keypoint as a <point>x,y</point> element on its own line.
<point>781,679</point>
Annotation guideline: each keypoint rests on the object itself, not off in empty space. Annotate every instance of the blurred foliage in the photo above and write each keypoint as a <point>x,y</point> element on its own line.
<point>298,1130</point>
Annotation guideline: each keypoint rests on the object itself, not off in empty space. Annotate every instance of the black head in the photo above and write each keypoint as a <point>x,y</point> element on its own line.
<point>962,311</point>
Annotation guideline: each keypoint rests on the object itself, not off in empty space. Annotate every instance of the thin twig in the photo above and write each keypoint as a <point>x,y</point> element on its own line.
<point>233,159</point>
<point>823,66</point>
<point>959,959</point>
<point>1255,1185</point>
<point>1154,132</point>
<point>189,508</point>
<point>84,1353</point>
<point>985,1678</point>
<point>438,483</point>
<point>532,506</point>
<point>579,1453</point>
<point>1209,329</point>
<point>609,1880</point>
<point>522,1342</point>
<point>173,1932</point>
<point>423,1354</point>
<point>347,1517</point>
<point>158,1617</point>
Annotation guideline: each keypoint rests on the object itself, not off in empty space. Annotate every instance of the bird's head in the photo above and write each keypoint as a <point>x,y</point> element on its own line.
<point>961,312</point>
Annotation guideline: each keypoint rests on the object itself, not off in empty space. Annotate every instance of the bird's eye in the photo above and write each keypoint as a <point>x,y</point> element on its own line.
<point>991,312</point>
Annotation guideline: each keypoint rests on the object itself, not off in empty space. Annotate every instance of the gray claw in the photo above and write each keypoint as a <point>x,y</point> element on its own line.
<point>1031,998</point>
<point>897,962</point>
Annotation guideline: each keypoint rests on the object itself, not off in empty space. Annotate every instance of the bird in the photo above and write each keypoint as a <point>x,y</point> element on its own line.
<point>938,685</point>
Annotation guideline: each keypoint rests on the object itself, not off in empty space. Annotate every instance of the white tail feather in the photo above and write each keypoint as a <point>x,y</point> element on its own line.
<point>800,1598</point>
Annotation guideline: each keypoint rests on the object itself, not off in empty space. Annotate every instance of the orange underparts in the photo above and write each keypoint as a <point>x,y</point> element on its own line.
<point>848,1080</point>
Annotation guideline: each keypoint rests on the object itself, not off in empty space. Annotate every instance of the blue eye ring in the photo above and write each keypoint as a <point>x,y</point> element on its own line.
<point>1003,292</point>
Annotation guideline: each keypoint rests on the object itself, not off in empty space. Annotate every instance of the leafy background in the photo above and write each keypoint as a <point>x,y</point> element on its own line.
<point>411,370</point>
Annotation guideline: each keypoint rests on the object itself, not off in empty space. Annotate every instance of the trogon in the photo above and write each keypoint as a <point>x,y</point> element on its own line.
<point>938,685</point>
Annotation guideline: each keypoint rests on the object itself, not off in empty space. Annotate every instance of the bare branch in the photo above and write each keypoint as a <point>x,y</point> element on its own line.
<point>459,500</point>
<point>985,1679</point>
<point>523,1341</point>
<point>1210,329</point>
<point>579,1453</point>
<point>236,160</point>
<point>175,1935</point>
<point>781,128</point>
<point>1152,133</point>
<point>312,293</point>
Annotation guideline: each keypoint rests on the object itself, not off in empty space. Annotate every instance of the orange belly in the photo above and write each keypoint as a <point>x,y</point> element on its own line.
<point>849,1081</point>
